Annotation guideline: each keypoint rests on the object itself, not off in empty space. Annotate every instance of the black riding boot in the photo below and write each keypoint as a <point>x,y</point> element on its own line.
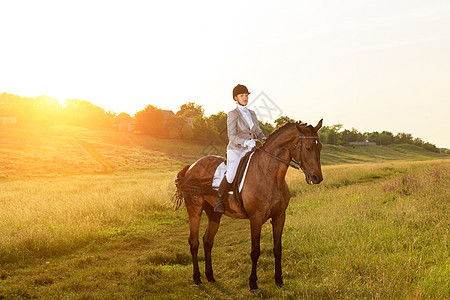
<point>224,188</point>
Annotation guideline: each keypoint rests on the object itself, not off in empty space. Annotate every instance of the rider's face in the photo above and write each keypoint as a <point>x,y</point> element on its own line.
<point>242,99</point>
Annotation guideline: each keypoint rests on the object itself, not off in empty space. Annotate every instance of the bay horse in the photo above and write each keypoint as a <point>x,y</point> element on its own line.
<point>265,194</point>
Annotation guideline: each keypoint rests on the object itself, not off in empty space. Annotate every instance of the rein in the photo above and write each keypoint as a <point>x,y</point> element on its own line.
<point>288,163</point>
<point>292,162</point>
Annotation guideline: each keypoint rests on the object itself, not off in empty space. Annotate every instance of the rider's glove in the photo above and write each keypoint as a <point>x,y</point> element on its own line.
<point>250,144</point>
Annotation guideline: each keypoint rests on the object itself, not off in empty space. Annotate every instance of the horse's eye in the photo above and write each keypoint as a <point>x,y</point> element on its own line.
<point>308,149</point>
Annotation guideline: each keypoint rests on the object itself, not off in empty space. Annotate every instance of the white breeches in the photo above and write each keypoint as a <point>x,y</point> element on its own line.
<point>233,159</point>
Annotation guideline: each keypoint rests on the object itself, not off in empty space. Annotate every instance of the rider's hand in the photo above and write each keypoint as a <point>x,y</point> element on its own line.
<point>250,144</point>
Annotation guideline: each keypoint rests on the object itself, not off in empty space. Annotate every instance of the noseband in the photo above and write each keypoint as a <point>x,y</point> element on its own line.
<point>293,163</point>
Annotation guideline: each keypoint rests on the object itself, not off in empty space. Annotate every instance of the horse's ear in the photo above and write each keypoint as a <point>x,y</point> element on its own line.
<point>319,125</point>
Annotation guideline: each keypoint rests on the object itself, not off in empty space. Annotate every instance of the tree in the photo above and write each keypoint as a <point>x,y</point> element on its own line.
<point>266,128</point>
<point>7,103</point>
<point>218,121</point>
<point>418,142</point>
<point>124,117</point>
<point>84,113</point>
<point>373,137</point>
<point>41,110</point>
<point>323,134</point>
<point>191,110</point>
<point>331,134</point>
<point>347,137</point>
<point>186,132</point>
<point>283,119</point>
<point>356,136</point>
<point>150,121</point>
<point>45,110</point>
<point>431,147</point>
<point>202,130</point>
<point>184,121</point>
<point>176,128</point>
<point>386,138</point>
<point>403,138</point>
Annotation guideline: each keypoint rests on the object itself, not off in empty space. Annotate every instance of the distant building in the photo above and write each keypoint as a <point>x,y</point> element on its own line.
<point>189,122</point>
<point>125,125</point>
<point>8,120</point>
<point>167,114</point>
<point>366,143</point>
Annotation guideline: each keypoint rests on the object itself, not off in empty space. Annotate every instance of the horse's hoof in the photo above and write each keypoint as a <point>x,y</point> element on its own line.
<point>211,279</point>
<point>198,283</point>
<point>255,291</point>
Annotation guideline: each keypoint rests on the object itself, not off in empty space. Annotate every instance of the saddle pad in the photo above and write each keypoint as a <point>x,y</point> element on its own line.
<point>220,172</point>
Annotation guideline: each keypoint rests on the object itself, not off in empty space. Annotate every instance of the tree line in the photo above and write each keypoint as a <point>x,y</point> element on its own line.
<point>44,110</point>
<point>336,135</point>
<point>189,122</point>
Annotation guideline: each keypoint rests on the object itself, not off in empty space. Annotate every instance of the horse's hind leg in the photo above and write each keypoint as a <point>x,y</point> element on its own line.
<point>195,212</point>
<point>208,238</point>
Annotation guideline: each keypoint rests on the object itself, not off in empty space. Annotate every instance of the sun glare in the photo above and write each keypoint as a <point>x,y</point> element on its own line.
<point>300,54</point>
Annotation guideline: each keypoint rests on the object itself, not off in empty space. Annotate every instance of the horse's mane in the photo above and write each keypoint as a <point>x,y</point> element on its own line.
<point>286,125</point>
<point>279,130</point>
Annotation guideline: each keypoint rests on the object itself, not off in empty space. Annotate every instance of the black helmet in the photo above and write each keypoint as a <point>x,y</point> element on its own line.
<point>240,89</point>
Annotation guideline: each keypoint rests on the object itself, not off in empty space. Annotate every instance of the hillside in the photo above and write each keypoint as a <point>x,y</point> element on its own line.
<point>332,155</point>
<point>64,150</point>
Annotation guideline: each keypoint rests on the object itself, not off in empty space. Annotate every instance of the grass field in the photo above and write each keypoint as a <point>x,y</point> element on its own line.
<point>85,215</point>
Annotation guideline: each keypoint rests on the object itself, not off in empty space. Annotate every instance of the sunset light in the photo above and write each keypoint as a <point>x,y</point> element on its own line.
<point>204,149</point>
<point>356,64</point>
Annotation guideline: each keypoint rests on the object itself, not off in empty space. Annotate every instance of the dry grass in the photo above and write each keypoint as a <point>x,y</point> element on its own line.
<point>46,217</point>
<point>30,151</point>
<point>370,230</point>
<point>384,238</point>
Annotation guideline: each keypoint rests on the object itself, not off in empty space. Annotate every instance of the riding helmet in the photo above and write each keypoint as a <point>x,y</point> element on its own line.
<point>240,89</point>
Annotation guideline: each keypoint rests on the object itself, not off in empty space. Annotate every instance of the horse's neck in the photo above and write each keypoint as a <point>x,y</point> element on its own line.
<point>282,145</point>
<point>281,148</point>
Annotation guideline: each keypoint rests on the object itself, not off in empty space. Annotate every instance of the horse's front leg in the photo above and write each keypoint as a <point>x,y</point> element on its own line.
<point>195,213</point>
<point>277,227</point>
<point>255,227</point>
<point>208,239</point>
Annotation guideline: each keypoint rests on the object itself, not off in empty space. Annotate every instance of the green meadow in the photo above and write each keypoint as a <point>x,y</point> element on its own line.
<point>87,215</point>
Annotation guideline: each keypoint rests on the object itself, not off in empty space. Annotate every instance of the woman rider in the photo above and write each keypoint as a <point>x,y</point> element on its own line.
<point>242,125</point>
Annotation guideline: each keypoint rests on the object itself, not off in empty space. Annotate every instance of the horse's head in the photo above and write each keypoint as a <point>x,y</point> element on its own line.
<point>307,152</point>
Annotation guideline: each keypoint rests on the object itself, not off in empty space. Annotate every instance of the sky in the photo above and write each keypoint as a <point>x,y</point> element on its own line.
<point>369,65</point>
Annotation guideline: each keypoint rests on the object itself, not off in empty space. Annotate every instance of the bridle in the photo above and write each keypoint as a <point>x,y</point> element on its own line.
<point>293,163</point>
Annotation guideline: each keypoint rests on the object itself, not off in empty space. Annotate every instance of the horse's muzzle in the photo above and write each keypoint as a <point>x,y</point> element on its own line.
<point>313,179</point>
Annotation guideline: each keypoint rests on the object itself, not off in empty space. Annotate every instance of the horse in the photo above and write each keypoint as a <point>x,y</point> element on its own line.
<point>265,193</point>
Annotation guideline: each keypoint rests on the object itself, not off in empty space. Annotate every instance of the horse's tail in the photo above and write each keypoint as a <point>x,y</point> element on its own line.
<point>190,186</point>
<point>178,197</point>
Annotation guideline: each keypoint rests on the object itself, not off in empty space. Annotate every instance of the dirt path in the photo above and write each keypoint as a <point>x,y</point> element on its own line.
<point>94,154</point>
